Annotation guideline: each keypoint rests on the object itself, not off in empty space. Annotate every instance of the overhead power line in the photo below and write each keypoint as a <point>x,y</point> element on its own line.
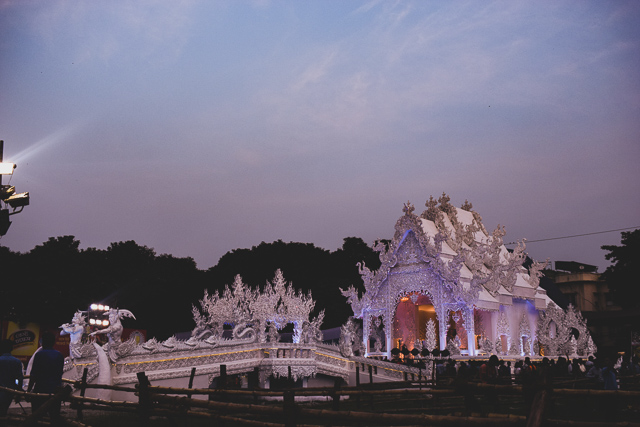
<point>576,235</point>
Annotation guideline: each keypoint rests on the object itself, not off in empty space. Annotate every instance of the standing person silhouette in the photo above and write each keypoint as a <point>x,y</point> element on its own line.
<point>10,375</point>
<point>46,375</point>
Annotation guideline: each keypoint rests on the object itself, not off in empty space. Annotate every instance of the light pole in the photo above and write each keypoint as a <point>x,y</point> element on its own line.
<point>8,195</point>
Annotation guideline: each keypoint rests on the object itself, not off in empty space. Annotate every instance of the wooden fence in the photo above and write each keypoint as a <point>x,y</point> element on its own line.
<point>397,403</point>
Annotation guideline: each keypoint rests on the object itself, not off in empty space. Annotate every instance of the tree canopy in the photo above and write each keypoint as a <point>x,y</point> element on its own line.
<point>306,266</point>
<point>622,276</point>
<point>53,280</point>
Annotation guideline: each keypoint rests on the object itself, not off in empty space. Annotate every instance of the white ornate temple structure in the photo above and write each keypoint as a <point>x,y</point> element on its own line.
<point>446,283</point>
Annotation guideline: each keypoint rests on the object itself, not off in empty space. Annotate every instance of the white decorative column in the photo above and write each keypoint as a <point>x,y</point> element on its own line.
<point>443,324</point>
<point>388,327</point>
<point>366,332</point>
<point>469,325</point>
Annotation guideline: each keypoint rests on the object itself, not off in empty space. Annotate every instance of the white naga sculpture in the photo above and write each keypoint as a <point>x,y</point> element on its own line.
<point>75,330</point>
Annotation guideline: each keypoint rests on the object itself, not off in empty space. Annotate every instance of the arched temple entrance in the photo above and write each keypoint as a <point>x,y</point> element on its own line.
<point>410,320</point>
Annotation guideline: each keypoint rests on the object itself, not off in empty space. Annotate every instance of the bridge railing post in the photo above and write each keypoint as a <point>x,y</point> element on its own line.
<point>144,399</point>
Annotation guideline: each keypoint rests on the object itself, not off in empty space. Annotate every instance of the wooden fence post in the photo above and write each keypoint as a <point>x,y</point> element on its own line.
<point>255,383</point>
<point>289,407</point>
<point>357,385</point>
<point>536,414</point>
<point>222,384</point>
<point>144,398</point>
<point>336,396</point>
<point>83,389</point>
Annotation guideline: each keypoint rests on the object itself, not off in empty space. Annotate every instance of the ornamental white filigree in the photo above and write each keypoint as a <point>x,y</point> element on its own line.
<point>535,273</point>
<point>447,256</point>
<point>552,332</point>
<point>252,312</point>
<point>525,334</point>
<point>431,339</point>
<point>514,347</point>
<point>486,345</point>
<point>454,346</point>
<point>503,324</point>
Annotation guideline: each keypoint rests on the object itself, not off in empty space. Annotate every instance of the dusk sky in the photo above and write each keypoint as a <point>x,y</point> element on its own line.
<point>198,127</point>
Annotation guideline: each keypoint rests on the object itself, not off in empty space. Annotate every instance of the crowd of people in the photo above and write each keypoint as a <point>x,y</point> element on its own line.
<point>601,373</point>
<point>595,373</point>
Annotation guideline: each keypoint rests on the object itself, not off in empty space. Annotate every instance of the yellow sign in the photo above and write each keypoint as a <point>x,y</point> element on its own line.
<point>25,339</point>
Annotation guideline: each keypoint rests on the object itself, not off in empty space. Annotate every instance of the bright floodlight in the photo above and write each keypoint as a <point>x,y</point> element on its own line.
<point>18,200</point>
<point>105,323</point>
<point>106,308</point>
<point>7,168</point>
<point>100,307</point>
<point>92,321</point>
<point>94,306</point>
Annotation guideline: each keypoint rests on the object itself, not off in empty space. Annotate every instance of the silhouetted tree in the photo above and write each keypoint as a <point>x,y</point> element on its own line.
<point>306,266</point>
<point>622,277</point>
<point>53,280</point>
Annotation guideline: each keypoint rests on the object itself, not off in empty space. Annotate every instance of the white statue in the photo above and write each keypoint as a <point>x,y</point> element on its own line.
<point>75,329</point>
<point>350,342</point>
<point>311,332</point>
<point>114,330</point>
<point>377,334</point>
<point>272,334</point>
<point>454,346</point>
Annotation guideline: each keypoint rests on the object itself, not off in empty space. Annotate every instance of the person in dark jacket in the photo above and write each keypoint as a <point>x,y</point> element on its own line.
<point>46,375</point>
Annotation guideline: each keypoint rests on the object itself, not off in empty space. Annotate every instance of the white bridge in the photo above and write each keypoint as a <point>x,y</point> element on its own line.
<point>312,365</point>
<point>253,353</point>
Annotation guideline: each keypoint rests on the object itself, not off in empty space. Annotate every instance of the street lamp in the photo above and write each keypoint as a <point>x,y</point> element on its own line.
<point>7,168</point>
